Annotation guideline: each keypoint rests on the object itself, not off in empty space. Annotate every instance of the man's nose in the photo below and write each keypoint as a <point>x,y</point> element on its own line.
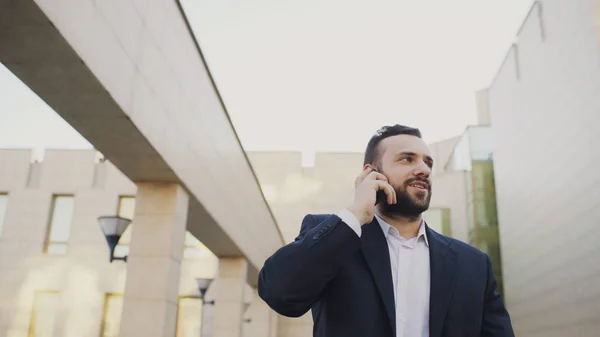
<point>422,169</point>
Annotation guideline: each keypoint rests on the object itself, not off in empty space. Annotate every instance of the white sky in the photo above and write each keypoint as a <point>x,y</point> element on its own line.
<point>322,75</point>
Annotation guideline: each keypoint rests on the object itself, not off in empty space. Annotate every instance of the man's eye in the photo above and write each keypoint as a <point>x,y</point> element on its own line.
<point>405,159</point>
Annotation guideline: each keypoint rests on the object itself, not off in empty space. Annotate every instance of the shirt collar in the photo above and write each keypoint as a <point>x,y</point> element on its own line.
<point>386,227</point>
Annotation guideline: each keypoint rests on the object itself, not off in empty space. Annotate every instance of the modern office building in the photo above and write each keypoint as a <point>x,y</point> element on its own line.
<point>464,197</point>
<point>54,259</point>
<point>544,104</point>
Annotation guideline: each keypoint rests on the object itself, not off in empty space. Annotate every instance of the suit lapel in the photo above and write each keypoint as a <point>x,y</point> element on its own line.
<point>376,252</point>
<point>442,261</point>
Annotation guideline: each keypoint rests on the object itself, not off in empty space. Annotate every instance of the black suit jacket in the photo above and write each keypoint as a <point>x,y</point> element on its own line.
<point>347,282</point>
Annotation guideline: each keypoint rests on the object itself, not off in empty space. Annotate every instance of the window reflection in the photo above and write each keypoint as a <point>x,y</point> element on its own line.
<point>483,233</point>
<point>43,314</point>
<point>189,316</point>
<point>438,219</point>
<point>60,224</point>
<point>113,309</point>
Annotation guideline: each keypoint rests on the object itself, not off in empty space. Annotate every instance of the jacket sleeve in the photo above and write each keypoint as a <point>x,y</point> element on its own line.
<point>292,279</point>
<point>496,320</point>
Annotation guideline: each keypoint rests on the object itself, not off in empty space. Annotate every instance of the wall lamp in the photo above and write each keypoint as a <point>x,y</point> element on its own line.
<point>113,227</point>
<point>203,284</point>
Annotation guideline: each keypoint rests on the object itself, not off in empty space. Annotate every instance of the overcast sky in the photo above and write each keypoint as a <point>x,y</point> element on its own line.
<point>322,75</point>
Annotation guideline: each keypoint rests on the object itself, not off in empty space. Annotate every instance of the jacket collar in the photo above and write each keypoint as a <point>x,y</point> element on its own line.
<point>386,228</point>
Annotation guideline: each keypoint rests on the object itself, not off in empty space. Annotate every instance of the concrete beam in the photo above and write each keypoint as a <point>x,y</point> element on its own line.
<point>129,76</point>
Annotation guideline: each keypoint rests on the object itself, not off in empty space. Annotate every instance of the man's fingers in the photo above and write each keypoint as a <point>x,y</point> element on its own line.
<point>381,183</point>
<point>369,174</point>
<point>391,194</point>
<point>376,176</point>
<point>363,175</point>
<point>388,189</point>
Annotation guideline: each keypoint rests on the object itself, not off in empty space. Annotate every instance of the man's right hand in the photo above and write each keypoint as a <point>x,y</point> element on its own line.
<point>366,186</point>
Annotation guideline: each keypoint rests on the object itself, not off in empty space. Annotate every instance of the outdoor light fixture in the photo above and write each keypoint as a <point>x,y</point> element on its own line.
<point>203,284</point>
<point>113,227</point>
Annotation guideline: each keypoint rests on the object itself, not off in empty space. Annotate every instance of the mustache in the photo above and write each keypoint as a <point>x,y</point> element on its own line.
<point>423,180</point>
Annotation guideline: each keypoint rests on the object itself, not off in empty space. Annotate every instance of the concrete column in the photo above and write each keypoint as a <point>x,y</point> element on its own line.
<point>153,266</point>
<point>263,320</point>
<point>229,297</point>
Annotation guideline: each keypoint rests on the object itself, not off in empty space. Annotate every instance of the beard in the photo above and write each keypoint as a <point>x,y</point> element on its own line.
<point>408,205</point>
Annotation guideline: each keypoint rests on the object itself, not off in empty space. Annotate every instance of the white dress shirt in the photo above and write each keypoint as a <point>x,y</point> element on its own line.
<point>410,274</point>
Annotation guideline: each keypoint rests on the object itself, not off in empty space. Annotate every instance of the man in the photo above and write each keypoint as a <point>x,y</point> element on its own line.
<point>376,269</point>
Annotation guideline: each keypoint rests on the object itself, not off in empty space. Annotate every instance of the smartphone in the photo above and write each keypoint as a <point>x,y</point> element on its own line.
<point>380,196</point>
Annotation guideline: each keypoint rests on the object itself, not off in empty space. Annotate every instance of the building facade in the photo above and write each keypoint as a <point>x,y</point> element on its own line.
<point>54,259</point>
<point>470,192</point>
<point>545,115</point>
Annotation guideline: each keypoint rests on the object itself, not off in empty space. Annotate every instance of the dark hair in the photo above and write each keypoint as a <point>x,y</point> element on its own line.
<point>372,152</point>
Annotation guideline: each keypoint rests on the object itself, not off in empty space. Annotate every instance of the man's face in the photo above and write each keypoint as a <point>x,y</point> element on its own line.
<point>406,161</point>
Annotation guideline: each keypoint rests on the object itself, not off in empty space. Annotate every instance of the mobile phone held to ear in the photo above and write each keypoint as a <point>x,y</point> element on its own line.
<point>380,195</point>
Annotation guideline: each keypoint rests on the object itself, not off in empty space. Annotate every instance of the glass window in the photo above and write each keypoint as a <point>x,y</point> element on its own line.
<point>43,313</point>
<point>111,320</point>
<point>60,224</point>
<point>3,205</point>
<point>483,246</point>
<point>484,194</point>
<point>189,316</point>
<point>438,219</point>
<point>126,210</point>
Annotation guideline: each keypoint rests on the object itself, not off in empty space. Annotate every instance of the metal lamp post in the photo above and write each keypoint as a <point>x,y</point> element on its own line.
<point>113,227</point>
